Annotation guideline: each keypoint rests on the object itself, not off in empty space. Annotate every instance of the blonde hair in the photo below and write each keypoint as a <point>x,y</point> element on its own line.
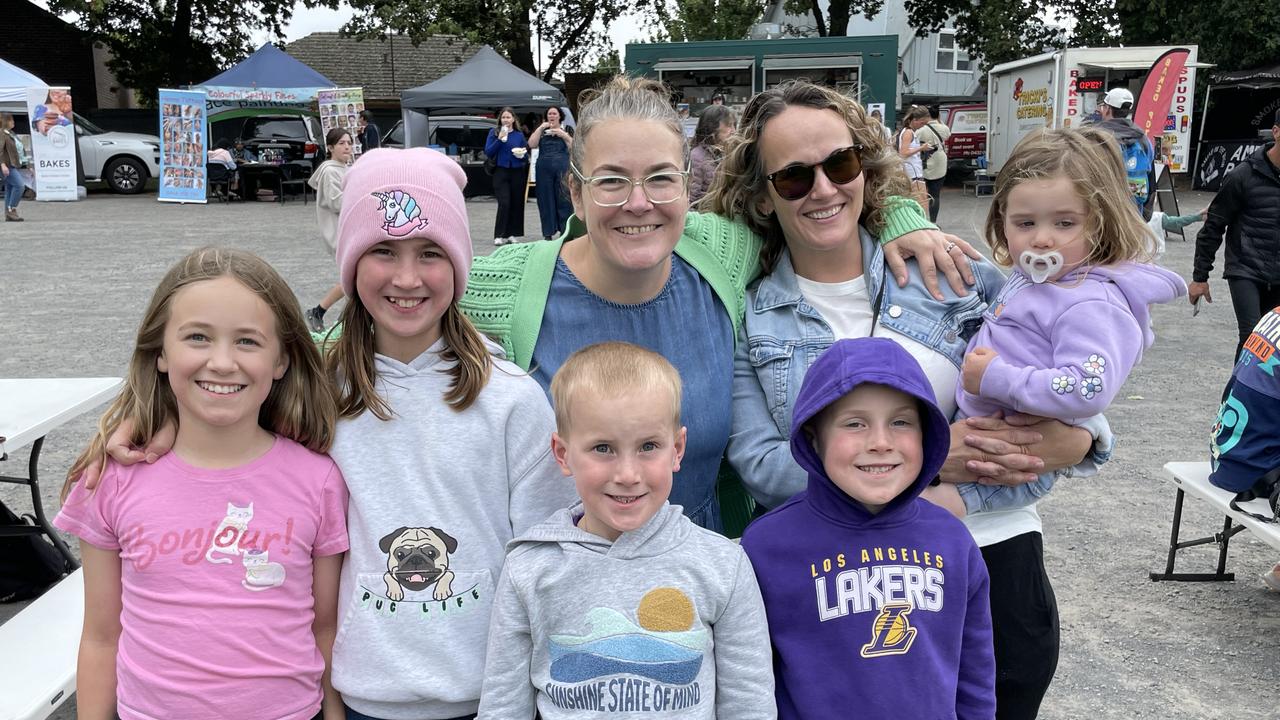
<point>623,98</point>
<point>1091,161</point>
<point>350,363</point>
<point>611,369</point>
<point>300,405</point>
<point>740,183</point>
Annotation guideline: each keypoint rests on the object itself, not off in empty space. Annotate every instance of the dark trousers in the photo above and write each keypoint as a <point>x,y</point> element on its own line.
<point>1251,300</point>
<point>935,197</point>
<point>554,207</point>
<point>1024,623</point>
<point>508,190</point>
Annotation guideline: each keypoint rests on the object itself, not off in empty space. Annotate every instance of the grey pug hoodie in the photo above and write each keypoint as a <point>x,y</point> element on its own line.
<point>666,621</point>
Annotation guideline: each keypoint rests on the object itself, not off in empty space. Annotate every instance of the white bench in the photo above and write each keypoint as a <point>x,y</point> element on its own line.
<point>38,649</point>
<point>1193,477</point>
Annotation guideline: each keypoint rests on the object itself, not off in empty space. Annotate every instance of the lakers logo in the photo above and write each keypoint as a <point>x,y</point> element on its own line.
<point>892,632</point>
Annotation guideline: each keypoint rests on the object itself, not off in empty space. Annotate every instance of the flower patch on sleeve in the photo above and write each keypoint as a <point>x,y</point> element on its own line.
<point>1064,384</point>
<point>1096,364</point>
<point>1090,387</point>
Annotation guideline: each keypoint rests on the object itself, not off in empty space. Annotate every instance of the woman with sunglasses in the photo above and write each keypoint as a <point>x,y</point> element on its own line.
<point>636,265</point>
<point>811,174</point>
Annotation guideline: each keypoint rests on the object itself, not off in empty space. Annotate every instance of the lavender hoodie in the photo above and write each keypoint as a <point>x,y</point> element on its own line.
<point>1066,347</point>
<point>877,615</point>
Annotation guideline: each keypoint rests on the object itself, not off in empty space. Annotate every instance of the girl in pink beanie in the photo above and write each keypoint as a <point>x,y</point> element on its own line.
<point>443,445</point>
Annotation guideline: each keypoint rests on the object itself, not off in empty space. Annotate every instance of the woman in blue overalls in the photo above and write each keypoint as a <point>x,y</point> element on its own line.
<point>553,141</point>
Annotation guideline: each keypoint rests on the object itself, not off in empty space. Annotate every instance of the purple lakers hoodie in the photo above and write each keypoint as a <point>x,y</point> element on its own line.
<point>873,615</point>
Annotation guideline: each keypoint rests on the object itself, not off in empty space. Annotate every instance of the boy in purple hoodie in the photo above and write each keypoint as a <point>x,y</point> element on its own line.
<point>876,599</point>
<point>1074,317</point>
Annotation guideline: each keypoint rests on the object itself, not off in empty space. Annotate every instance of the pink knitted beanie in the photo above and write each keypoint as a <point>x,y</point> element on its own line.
<point>394,194</point>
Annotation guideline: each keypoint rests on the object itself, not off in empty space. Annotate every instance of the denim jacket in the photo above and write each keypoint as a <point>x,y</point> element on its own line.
<point>784,335</point>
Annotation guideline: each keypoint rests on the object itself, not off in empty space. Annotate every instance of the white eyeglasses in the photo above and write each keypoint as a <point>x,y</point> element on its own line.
<point>614,190</point>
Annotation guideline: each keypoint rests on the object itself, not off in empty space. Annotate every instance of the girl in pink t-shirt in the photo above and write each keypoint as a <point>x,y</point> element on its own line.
<point>211,574</point>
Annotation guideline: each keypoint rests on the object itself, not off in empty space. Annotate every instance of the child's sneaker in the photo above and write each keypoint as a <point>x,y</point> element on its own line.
<point>1272,579</point>
<point>315,319</point>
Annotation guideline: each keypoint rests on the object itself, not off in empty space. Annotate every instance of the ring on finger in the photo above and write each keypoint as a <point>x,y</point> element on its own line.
<point>948,247</point>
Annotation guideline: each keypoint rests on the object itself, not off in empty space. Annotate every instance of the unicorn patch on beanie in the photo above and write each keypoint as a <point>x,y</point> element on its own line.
<point>401,213</point>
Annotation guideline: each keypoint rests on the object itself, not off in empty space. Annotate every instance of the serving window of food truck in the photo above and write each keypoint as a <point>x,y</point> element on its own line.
<point>697,81</point>
<point>844,72</point>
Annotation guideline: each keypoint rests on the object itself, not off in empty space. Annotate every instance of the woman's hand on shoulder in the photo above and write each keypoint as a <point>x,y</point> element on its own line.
<point>123,452</point>
<point>933,250</point>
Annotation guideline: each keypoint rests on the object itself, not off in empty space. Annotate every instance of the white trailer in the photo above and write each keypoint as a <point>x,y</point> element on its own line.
<point>1063,88</point>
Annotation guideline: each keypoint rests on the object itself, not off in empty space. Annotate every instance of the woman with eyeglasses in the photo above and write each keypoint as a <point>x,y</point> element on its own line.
<point>636,265</point>
<point>811,174</point>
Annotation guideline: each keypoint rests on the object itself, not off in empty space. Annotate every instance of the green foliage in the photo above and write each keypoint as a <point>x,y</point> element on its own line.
<point>571,33</point>
<point>1233,34</point>
<point>609,63</point>
<point>170,43</point>
<point>836,22</point>
<point>706,19</point>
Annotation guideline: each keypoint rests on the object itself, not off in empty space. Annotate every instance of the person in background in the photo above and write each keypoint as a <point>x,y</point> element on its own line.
<point>506,145</point>
<point>243,154</point>
<point>912,150</point>
<point>935,167</point>
<point>714,127</point>
<point>370,136</point>
<point>1245,208</point>
<point>553,140</point>
<point>1115,112</point>
<point>717,99</point>
<point>327,182</point>
<point>10,162</point>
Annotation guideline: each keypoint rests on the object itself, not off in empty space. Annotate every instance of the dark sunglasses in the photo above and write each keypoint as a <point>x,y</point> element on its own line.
<point>795,181</point>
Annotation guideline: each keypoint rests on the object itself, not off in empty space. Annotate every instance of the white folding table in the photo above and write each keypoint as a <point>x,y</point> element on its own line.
<point>30,408</point>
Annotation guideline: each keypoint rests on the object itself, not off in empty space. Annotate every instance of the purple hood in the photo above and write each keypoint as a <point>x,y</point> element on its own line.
<point>844,366</point>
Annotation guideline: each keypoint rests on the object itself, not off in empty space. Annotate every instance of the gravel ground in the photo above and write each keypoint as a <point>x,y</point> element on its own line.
<point>74,280</point>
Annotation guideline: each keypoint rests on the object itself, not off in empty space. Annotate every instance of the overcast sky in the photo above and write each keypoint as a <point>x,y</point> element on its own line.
<point>626,29</point>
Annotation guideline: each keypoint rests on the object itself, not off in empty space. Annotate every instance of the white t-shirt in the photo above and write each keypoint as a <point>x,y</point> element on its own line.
<point>846,306</point>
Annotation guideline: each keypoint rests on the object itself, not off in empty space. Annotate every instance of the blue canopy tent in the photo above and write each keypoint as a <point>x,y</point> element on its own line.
<point>269,79</point>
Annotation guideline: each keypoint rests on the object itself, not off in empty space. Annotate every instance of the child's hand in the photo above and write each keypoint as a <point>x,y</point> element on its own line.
<point>975,366</point>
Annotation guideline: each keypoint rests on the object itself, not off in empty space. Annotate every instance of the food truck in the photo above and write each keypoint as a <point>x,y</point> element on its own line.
<point>1064,89</point>
<point>864,68</point>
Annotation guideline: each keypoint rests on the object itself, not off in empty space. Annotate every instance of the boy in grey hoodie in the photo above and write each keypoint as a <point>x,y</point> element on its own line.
<point>620,604</point>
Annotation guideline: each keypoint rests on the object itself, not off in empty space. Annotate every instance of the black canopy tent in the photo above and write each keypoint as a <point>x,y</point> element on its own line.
<point>1239,111</point>
<point>482,84</point>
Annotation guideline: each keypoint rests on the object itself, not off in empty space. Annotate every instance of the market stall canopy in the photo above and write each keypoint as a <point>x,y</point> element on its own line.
<point>269,75</point>
<point>1260,77</point>
<point>14,82</point>
<point>483,83</point>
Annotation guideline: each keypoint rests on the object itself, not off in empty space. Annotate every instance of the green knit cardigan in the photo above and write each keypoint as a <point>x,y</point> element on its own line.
<point>507,291</point>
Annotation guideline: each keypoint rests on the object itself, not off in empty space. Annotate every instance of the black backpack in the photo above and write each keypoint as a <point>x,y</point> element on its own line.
<point>1266,488</point>
<point>29,564</point>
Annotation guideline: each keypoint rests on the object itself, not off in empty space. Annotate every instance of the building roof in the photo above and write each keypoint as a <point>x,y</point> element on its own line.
<point>369,63</point>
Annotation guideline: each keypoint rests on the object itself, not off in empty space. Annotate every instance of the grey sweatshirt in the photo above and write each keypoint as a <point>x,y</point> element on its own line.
<point>435,496</point>
<point>665,622</point>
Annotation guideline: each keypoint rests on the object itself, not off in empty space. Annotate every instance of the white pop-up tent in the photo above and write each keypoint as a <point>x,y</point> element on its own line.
<point>14,82</point>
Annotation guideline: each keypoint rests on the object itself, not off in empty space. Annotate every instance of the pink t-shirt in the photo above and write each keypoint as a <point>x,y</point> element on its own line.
<point>216,572</point>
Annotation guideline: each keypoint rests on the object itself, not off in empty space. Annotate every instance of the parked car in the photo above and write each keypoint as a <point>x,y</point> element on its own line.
<point>123,161</point>
<point>460,135</point>
<point>298,136</point>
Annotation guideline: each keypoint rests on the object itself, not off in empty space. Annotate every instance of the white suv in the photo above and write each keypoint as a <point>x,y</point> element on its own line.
<point>123,161</point>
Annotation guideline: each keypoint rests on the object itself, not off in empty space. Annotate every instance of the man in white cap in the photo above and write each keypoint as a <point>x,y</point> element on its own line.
<point>1139,152</point>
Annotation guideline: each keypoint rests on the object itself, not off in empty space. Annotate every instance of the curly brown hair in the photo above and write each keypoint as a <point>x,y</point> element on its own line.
<point>1091,160</point>
<point>740,183</point>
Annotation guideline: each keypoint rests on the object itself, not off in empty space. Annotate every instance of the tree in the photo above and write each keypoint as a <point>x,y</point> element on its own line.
<point>170,43</point>
<point>1234,34</point>
<point>706,19</point>
<point>839,12</point>
<point>572,31</point>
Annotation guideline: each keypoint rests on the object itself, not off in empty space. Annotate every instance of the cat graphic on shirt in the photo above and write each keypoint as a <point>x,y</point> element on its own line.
<point>226,539</point>
<point>259,573</point>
